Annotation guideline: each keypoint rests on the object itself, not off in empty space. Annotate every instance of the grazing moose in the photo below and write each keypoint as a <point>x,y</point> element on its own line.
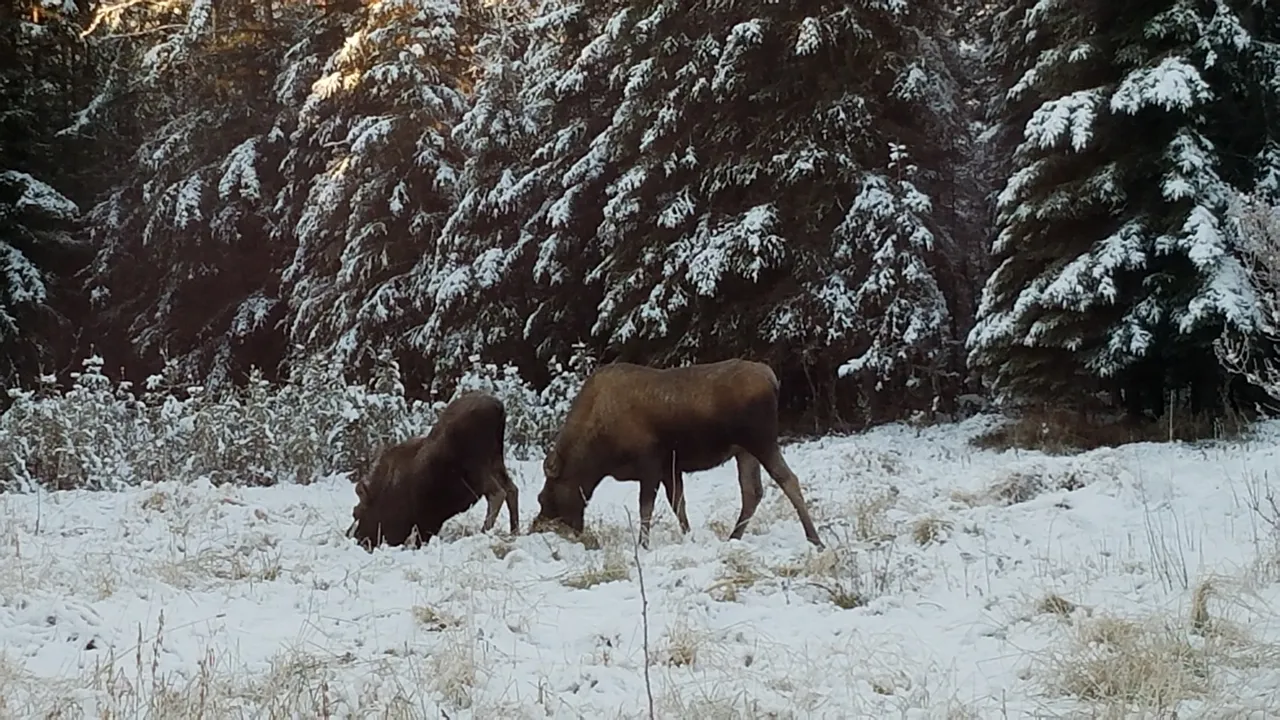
<point>422,482</point>
<point>650,425</point>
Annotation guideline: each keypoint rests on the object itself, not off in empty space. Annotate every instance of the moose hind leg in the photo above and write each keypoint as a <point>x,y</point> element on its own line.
<point>494,497</point>
<point>648,497</point>
<point>513,498</point>
<point>673,483</point>
<point>749,482</point>
<point>781,473</point>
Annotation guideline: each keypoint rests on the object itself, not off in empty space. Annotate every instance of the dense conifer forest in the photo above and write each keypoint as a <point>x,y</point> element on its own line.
<point>898,205</point>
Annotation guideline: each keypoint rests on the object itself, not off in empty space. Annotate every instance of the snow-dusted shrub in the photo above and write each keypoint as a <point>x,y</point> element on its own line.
<point>99,436</point>
<point>533,417</point>
<point>84,437</point>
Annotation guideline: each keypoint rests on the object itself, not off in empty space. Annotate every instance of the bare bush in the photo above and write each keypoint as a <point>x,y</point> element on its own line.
<point>1258,246</point>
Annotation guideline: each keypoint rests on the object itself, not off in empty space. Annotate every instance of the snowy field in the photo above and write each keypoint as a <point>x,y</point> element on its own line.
<point>957,583</point>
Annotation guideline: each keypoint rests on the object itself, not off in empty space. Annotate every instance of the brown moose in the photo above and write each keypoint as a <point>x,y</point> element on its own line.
<point>650,425</point>
<point>423,481</point>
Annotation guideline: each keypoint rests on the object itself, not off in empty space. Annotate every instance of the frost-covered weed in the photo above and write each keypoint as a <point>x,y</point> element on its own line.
<point>100,435</point>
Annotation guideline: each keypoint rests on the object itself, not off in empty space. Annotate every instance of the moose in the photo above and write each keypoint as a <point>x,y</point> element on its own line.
<point>420,483</point>
<point>651,425</point>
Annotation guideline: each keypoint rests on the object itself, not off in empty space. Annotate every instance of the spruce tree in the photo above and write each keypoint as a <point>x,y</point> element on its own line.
<point>767,197</point>
<point>372,176</point>
<point>511,277</point>
<point>1113,259</point>
<point>184,265</point>
<point>45,67</point>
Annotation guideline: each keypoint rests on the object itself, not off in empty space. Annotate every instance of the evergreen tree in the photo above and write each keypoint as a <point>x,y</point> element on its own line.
<point>1113,257</point>
<point>509,281</point>
<point>44,65</point>
<point>373,176</point>
<point>757,199</point>
<point>184,264</point>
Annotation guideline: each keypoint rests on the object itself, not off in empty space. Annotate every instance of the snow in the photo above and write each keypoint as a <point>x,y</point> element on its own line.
<point>1070,116</point>
<point>39,198</point>
<point>1172,85</point>
<point>252,597</point>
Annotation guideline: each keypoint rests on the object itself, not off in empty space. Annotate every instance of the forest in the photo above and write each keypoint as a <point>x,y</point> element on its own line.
<point>895,204</point>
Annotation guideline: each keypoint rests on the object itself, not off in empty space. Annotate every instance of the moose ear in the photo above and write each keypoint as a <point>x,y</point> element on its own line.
<point>552,465</point>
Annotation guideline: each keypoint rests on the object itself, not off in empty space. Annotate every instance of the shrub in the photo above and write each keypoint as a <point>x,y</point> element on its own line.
<point>100,435</point>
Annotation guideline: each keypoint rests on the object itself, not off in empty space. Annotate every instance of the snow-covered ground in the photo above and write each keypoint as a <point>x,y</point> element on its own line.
<point>992,585</point>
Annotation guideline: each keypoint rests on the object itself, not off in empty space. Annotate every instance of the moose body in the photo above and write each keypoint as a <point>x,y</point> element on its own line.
<point>423,481</point>
<point>637,423</point>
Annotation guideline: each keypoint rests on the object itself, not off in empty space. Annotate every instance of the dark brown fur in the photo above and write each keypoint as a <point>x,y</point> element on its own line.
<point>637,423</point>
<point>424,481</point>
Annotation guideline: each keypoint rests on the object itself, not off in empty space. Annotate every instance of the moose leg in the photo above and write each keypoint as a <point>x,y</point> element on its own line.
<point>513,499</point>
<point>673,483</point>
<point>494,496</point>
<point>752,490</point>
<point>648,496</point>
<point>781,473</point>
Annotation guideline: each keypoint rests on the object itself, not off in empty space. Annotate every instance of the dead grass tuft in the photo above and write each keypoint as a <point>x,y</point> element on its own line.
<point>209,568</point>
<point>454,668</point>
<point>1019,486</point>
<point>1119,661</point>
<point>682,643</point>
<point>434,620</point>
<point>850,578</point>
<point>930,529</point>
<point>1055,605</point>
<point>501,548</point>
<point>608,565</point>
<point>1123,666</point>
<point>738,572</point>
<point>870,516</point>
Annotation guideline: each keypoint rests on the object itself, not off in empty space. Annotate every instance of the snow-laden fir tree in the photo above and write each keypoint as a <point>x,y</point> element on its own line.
<point>35,220</point>
<point>44,65</point>
<point>1113,257</point>
<point>372,176</point>
<point>185,265</point>
<point>760,197</point>
<point>495,135</point>
<point>510,277</point>
<point>1244,61</point>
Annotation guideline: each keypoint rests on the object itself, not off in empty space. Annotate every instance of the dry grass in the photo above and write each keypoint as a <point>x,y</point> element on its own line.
<point>211,568</point>
<point>870,516</point>
<point>1055,605</point>
<point>1065,431</point>
<point>455,668</point>
<point>840,574</point>
<point>683,643</point>
<point>434,620</point>
<point>1121,666</point>
<point>738,571</point>
<point>930,529</point>
<point>501,548</point>
<point>608,565</point>
<point>131,685</point>
<point>1120,663</point>
<point>1019,486</point>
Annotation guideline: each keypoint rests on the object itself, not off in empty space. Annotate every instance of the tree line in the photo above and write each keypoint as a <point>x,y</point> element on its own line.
<point>891,203</point>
